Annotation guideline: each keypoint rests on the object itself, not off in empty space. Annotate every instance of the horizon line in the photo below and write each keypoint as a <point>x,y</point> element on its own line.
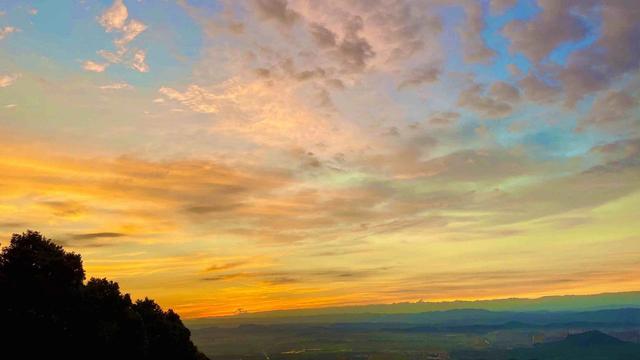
<point>434,302</point>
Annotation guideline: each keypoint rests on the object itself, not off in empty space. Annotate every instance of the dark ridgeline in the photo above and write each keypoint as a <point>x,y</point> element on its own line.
<point>47,311</point>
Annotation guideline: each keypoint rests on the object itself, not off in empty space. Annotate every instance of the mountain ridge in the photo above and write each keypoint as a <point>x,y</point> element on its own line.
<point>568,303</point>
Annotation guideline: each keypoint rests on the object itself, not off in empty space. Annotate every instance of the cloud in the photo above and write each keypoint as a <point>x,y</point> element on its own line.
<point>116,86</point>
<point>537,90</point>
<point>419,76</point>
<point>558,22</point>
<point>251,112</point>
<point>114,192</point>
<point>276,10</point>
<point>98,235</point>
<point>578,80</point>
<point>618,151</point>
<point>400,31</point>
<point>211,209</point>
<point>612,109</point>
<point>474,284</point>
<point>473,46</point>
<point>225,266</point>
<point>588,69</point>
<point>514,70</point>
<point>116,19</point>
<point>620,33</point>
<point>446,118</point>
<point>195,97</point>
<point>499,6</point>
<point>94,66</point>
<point>353,51</point>
<point>138,62</point>
<point>129,32</point>
<point>8,80</point>
<point>503,91</point>
<point>64,208</point>
<point>355,38</point>
<point>302,276</point>
<point>213,197</point>
<point>322,36</point>
<point>289,68</point>
<point>474,98</point>
<point>7,30</point>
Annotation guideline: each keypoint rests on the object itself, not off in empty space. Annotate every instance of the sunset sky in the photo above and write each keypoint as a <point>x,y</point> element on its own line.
<point>217,155</point>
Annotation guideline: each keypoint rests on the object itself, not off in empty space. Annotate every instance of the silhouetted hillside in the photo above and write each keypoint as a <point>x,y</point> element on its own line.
<point>590,345</point>
<point>592,338</point>
<point>47,311</point>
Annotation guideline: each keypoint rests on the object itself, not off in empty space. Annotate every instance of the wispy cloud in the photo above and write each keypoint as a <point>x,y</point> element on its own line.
<point>8,80</point>
<point>7,30</point>
<point>94,66</point>
<point>116,19</point>
<point>99,235</point>
<point>116,86</point>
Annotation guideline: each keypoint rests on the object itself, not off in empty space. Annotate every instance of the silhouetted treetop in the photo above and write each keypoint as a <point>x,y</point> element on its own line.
<point>31,260</point>
<point>47,311</point>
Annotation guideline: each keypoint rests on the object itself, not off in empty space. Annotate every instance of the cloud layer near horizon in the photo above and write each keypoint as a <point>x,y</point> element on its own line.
<point>271,154</point>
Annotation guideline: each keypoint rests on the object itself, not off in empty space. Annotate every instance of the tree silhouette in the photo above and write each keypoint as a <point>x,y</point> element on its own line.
<point>111,322</point>
<point>47,311</point>
<point>167,336</point>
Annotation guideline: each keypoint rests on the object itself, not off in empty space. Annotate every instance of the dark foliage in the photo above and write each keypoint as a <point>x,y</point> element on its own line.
<point>48,312</point>
<point>167,337</point>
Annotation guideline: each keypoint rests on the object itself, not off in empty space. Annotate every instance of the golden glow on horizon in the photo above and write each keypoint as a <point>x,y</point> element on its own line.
<point>132,222</point>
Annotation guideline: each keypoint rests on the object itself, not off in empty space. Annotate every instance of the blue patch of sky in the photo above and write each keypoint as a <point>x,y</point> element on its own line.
<point>551,131</point>
<point>557,141</point>
<point>548,141</point>
<point>173,42</point>
<point>496,68</point>
<point>561,54</point>
<point>493,38</point>
<point>68,33</point>
<point>552,137</point>
<point>60,31</point>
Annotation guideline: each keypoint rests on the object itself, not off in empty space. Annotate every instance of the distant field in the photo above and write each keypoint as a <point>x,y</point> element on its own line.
<point>459,334</point>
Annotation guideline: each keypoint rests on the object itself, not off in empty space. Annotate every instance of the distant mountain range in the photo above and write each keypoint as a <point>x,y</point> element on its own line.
<point>597,327</point>
<point>466,321</point>
<point>590,345</point>
<point>484,312</point>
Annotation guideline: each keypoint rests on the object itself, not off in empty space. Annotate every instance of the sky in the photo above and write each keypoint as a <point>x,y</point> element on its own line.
<point>225,156</point>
